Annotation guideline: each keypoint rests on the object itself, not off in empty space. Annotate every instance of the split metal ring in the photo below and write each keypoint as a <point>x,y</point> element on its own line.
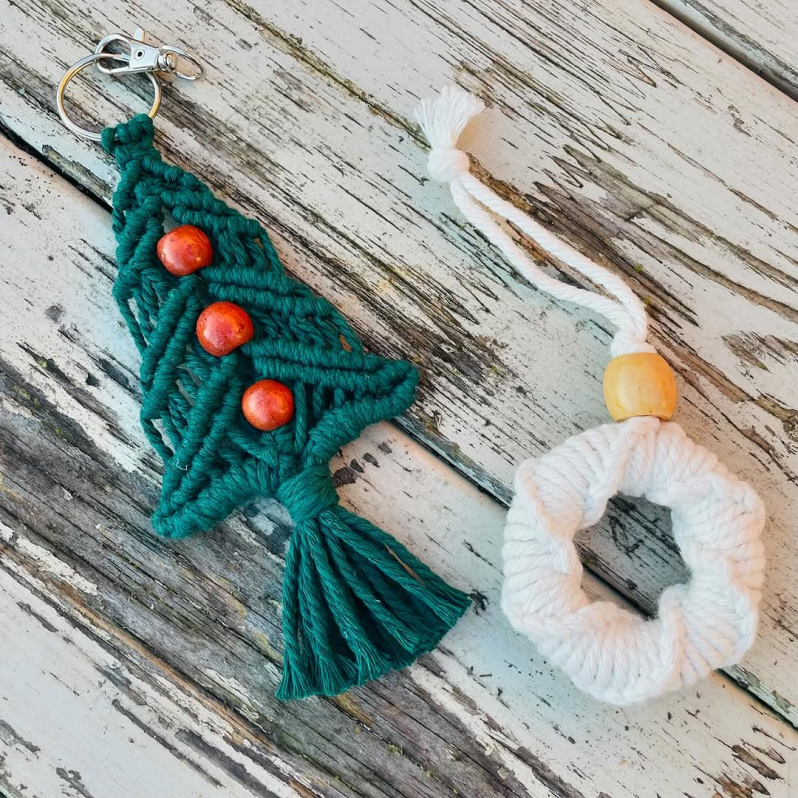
<point>79,66</point>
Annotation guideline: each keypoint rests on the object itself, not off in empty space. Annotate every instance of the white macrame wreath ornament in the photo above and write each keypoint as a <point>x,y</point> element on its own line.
<point>609,652</point>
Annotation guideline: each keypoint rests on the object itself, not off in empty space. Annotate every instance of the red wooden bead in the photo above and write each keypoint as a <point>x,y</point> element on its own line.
<point>184,250</point>
<point>223,327</point>
<point>268,404</point>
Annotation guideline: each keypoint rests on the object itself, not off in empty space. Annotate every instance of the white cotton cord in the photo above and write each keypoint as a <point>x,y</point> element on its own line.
<point>611,653</point>
<point>443,120</point>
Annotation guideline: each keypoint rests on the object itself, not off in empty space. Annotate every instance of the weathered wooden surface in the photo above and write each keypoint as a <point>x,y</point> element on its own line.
<point>136,667</point>
<point>611,122</point>
<point>761,34</point>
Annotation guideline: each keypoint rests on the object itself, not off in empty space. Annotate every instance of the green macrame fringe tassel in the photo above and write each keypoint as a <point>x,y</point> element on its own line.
<point>356,603</point>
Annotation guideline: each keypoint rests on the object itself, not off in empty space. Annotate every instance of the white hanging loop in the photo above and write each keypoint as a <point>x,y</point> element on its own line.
<point>443,121</point>
<point>613,654</point>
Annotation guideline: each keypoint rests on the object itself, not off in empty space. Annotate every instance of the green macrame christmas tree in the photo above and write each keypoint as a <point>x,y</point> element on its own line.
<point>356,603</point>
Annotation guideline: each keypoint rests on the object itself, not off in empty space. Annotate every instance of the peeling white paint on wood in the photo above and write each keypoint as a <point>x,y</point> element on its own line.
<point>75,720</point>
<point>638,142</point>
<point>625,141</point>
<point>760,34</point>
<point>231,684</point>
<point>178,649</point>
<point>43,559</point>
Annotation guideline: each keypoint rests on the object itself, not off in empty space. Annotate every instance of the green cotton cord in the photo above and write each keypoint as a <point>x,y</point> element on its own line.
<point>356,602</point>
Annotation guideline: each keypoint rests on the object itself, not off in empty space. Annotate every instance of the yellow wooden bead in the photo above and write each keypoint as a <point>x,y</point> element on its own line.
<point>640,384</point>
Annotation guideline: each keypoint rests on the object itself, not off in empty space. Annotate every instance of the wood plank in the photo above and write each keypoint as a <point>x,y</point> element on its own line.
<point>176,645</point>
<point>78,720</point>
<point>761,35</point>
<point>609,123</point>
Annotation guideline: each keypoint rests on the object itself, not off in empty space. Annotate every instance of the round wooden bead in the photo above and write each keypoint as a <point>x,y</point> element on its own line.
<point>640,384</point>
<point>223,327</point>
<point>185,250</point>
<point>267,405</point>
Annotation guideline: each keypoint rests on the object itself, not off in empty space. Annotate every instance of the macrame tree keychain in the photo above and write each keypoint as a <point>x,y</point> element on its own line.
<point>609,652</point>
<point>250,384</point>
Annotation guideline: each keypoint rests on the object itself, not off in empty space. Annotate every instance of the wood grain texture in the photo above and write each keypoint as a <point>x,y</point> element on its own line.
<point>133,662</point>
<point>641,144</point>
<point>761,35</point>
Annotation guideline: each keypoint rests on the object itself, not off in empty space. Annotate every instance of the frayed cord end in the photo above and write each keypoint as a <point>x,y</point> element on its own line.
<point>442,121</point>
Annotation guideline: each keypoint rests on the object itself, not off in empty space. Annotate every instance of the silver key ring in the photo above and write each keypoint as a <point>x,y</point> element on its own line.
<point>142,58</point>
<point>82,64</point>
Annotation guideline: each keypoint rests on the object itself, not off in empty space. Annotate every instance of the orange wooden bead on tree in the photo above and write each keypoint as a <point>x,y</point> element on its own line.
<point>223,327</point>
<point>267,405</point>
<point>640,384</point>
<point>185,250</point>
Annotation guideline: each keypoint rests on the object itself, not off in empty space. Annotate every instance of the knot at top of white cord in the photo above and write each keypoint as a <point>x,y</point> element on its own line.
<point>442,121</point>
<point>447,165</point>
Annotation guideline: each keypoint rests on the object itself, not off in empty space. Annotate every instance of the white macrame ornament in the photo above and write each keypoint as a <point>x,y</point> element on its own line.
<point>611,653</point>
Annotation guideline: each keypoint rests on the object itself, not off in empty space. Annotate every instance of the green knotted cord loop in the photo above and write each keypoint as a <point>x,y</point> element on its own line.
<point>356,602</point>
<point>307,493</point>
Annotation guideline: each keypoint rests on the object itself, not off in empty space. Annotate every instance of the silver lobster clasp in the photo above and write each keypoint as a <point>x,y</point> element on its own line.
<point>137,57</point>
<point>143,57</point>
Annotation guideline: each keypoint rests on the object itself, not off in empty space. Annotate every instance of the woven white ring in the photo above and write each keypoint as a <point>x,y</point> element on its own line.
<point>609,652</point>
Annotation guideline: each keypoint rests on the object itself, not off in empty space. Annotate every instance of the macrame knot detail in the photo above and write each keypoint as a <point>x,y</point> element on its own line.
<point>446,165</point>
<point>306,494</point>
<point>138,130</point>
<point>609,652</point>
<point>629,340</point>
